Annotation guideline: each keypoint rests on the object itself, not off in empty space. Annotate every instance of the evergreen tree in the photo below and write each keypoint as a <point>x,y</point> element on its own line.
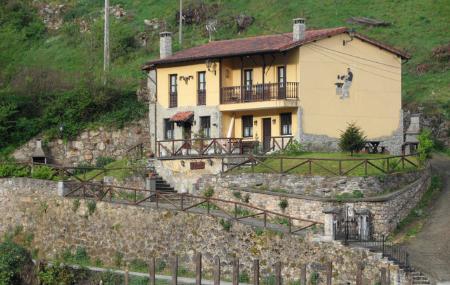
<point>353,139</point>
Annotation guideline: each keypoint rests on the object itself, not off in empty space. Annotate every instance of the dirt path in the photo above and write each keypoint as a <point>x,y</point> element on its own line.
<point>430,249</point>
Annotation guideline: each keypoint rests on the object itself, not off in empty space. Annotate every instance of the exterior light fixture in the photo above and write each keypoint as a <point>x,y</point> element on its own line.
<point>186,78</point>
<point>210,162</point>
<point>274,121</point>
<point>211,66</point>
<point>351,34</point>
<point>182,163</point>
<point>255,122</point>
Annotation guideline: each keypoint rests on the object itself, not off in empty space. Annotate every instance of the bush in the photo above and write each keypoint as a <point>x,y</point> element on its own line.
<point>91,206</point>
<point>102,161</point>
<point>283,204</point>
<point>43,172</point>
<point>56,274</point>
<point>353,139</point>
<point>425,145</point>
<point>294,148</point>
<point>13,262</point>
<point>13,170</point>
<point>226,225</point>
<point>209,192</point>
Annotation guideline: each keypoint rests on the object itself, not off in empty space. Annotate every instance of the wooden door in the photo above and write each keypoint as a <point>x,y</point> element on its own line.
<point>267,133</point>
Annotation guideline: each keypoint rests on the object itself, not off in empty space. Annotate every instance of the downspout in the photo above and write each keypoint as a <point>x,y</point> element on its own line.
<point>156,108</point>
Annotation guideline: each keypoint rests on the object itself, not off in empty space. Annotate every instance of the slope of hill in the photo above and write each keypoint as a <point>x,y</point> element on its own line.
<point>52,77</point>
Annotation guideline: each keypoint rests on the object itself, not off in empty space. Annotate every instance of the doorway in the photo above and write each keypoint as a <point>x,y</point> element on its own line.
<point>267,133</point>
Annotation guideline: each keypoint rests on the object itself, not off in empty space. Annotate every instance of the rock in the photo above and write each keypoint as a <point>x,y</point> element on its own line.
<point>243,22</point>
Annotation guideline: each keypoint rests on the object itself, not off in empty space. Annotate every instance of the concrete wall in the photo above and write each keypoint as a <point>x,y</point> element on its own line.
<point>139,233</point>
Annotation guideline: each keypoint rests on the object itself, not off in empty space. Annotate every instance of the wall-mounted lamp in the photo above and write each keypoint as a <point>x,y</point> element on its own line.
<point>186,78</point>
<point>210,162</point>
<point>351,34</point>
<point>182,163</point>
<point>255,123</point>
<point>214,125</point>
<point>274,121</point>
<point>194,122</point>
<point>211,66</point>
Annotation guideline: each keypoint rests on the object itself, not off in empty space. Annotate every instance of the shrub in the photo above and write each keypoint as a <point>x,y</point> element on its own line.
<point>91,206</point>
<point>425,145</point>
<point>75,205</point>
<point>43,172</point>
<point>56,274</point>
<point>283,204</point>
<point>102,161</point>
<point>294,148</point>
<point>118,259</point>
<point>237,194</point>
<point>13,261</point>
<point>209,192</point>
<point>138,265</point>
<point>226,225</point>
<point>13,170</point>
<point>353,139</point>
<point>246,198</point>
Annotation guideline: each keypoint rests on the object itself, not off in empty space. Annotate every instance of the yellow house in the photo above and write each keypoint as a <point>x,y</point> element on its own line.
<point>306,85</point>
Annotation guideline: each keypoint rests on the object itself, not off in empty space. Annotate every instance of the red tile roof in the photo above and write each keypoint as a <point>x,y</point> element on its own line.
<point>257,45</point>
<point>182,116</point>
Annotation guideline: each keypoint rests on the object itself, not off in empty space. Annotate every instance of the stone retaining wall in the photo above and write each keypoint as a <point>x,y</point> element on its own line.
<point>386,210</point>
<point>91,144</point>
<point>319,186</point>
<point>139,233</point>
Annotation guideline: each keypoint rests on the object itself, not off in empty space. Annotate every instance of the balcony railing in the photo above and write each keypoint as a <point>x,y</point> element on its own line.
<point>201,97</point>
<point>259,92</point>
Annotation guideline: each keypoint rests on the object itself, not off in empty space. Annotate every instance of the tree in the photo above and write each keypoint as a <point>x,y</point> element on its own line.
<point>353,139</point>
<point>15,264</point>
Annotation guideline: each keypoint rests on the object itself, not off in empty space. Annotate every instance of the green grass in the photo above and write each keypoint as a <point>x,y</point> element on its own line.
<point>413,223</point>
<point>319,167</point>
<point>120,170</point>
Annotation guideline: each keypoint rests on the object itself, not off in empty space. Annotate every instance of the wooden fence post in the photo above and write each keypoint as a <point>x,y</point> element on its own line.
<point>359,270</point>
<point>217,271</point>
<point>198,269</point>
<point>329,273</point>
<point>388,276</point>
<point>256,272</point>
<point>278,279</point>
<point>175,270</point>
<point>303,275</point>
<point>235,271</point>
<point>126,275</point>
<point>152,272</point>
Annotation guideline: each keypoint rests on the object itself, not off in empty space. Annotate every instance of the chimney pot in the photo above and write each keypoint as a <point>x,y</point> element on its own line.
<point>299,29</point>
<point>165,44</point>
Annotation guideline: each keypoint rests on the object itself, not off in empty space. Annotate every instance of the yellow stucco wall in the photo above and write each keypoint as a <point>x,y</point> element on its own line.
<point>375,96</point>
<point>258,115</point>
<point>187,92</point>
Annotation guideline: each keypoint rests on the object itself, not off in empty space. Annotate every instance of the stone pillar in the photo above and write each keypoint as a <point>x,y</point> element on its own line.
<point>150,183</point>
<point>62,189</point>
<point>329,221</point>
<point>363,224</point>
<point>165,44</point>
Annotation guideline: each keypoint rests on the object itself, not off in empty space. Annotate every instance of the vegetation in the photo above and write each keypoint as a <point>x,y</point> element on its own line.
<point>329,161</point>
<point>425,145</point>
<point>209,192</point>
<point>13,260</point>
<point>103,161</point>
<point>352,139</point>
<point>226,225</point>
<point>52,78</point>
<point>353,195</point>
<point>413,223</point>
<point>43,172</point>
<point>283,204</point>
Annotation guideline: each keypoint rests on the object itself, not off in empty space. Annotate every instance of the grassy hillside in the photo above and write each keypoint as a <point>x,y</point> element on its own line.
<point>51,78</point>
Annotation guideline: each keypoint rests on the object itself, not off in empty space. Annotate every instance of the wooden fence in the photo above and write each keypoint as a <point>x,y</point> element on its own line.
<point>184,202</point>
<point>321,166</point>
<point>323,271</point>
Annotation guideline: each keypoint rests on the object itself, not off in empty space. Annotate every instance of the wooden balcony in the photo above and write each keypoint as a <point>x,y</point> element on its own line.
<point>259,93</point>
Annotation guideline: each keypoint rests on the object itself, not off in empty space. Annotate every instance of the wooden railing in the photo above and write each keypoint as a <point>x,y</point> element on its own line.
<point>234,210</point>
<point>135,152</point>
<point>217,146</point>
<point>322,166</point>
<point>259,92</point>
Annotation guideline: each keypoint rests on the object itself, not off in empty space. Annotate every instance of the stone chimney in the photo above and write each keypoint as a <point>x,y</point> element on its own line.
<point>165,44</point>
<point>299,29</point>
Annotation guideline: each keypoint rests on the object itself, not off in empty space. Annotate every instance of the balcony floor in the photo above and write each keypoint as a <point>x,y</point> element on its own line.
<point>274,104</point>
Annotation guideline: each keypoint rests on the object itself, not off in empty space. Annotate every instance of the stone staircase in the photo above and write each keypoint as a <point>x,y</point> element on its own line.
<point>419,278</point>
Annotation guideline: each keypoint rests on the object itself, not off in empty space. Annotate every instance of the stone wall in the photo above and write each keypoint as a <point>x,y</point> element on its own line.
<point>139,233</point>
<point>386,210</point>
<point>319,186</point>
<point>91,144</point>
